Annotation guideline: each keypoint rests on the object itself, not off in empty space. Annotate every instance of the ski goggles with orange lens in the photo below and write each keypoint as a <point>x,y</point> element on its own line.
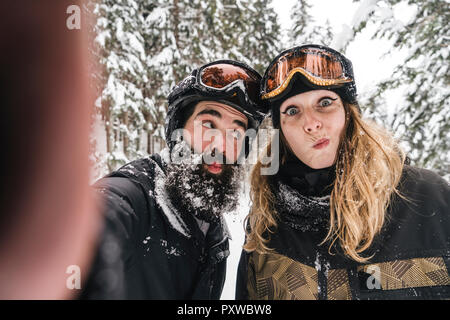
<point>227,76</point>
<point>321,66</point>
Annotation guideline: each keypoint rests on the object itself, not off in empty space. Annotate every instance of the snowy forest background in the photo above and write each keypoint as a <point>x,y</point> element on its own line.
<point>144,47</point>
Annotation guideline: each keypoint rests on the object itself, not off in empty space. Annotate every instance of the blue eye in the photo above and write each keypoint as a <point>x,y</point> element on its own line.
<point>291,111</point>
<point>325,102</point>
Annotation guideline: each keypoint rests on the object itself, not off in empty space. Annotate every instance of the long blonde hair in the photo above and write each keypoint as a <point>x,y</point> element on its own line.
<point>369,165</point>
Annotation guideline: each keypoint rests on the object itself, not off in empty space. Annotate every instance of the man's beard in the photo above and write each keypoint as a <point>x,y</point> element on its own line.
<point>191,188</point>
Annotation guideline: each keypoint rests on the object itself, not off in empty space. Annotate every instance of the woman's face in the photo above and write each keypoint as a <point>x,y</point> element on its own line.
<point>312,123</point>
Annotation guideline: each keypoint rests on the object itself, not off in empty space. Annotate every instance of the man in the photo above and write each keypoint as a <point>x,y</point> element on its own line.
<point>164,235</point>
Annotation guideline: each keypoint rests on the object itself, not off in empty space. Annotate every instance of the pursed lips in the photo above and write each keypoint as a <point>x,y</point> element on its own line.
<point>214,167</point>
<point>321,143</point>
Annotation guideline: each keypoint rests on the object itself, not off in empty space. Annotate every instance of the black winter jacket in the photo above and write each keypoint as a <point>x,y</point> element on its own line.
<point>148,251</point>
<point>411,255</point>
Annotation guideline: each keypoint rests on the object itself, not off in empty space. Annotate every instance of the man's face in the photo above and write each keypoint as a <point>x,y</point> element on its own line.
<point>203,183</point>
<point>216,129</point>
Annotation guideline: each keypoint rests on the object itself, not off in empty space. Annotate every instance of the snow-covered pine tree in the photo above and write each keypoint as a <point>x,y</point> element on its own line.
<point>180,35</point>
<point>259,43</point>
<point>97,79</point>
<point>123,58</point>
<point>226,24</point>
<point>146,47</point>
<point>423,120</point>
<point>159,40</point>
<point>243,30</point>
<point>305,29</point>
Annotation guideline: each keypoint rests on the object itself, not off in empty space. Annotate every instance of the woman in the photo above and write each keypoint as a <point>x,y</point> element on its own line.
<point>345,217</point>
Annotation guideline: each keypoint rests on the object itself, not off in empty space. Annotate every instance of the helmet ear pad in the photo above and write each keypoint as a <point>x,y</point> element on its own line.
<point>177,117</point>
<point>185,113</point>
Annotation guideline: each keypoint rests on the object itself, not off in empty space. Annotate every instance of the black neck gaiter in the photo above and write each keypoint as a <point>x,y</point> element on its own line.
<point>302,194</point>
<point>306,180</point>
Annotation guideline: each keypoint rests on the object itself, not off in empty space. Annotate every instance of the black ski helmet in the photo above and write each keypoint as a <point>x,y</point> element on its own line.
<point>299,83</point>
<point>187,93</point>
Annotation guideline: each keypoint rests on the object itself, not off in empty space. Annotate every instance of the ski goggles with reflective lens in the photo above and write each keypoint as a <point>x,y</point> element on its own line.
<point>230,77</point>
<point>321,66</point>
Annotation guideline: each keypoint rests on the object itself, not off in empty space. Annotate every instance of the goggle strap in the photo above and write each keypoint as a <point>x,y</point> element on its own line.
<point>229,86</point>
<point>311,78</point>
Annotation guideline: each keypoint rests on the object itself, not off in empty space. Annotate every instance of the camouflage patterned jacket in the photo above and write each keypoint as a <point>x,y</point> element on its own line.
<point>411,255</point>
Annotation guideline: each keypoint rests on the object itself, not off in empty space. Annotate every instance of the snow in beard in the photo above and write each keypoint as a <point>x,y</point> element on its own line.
<point>192,189</point>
